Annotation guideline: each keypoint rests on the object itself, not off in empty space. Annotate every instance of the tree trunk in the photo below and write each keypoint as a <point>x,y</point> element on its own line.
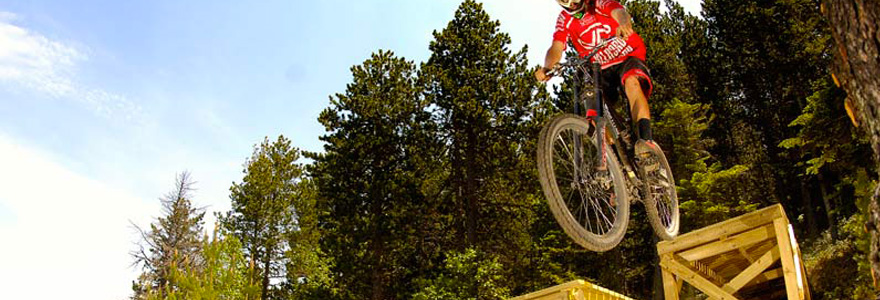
<point>267,263</point>
<point>855,25</point>
<point>808,210</point>
<point>378,273</point>
<point>377,276</point>
<point>829,211</point>
<point>471,176</point>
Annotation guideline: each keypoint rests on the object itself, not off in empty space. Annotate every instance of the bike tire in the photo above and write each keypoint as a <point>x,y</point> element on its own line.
<point>564,207</point>
<point>661,199</point>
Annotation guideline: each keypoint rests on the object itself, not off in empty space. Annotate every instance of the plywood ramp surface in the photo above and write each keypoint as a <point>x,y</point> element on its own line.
<point>574,290</point>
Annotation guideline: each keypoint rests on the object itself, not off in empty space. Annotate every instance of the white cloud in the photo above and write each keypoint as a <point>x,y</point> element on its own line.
<point>7,16</point>
<point>30,61</point>
<point>65,236</point>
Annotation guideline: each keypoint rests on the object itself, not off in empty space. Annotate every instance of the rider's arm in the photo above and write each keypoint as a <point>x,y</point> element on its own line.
<point>624,21</point>
<point>618,12</point>
<point>554,55</point>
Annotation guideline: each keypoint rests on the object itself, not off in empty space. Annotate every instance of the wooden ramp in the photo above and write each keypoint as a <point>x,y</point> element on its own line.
<point>574,290</point>
<point>753,256</point>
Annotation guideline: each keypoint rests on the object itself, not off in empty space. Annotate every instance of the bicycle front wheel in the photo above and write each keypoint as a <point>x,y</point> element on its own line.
<point>583,184</point>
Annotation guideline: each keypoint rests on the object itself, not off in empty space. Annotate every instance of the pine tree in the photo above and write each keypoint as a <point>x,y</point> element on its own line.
<point>173,242</point>
<point>371,181</point>
<point>485,99</point>
<point>263,210</point>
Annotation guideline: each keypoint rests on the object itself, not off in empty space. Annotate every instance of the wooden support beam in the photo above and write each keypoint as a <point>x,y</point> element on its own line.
<point>671,288</point>
<point>788,268</point>
<point>692,277</point>
<point>738,241</point>
<point>752,271</point>
<point>744,253</point>
<point>766,276</point>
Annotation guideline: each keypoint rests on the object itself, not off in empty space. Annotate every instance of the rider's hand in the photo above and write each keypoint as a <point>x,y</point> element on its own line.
<point>541,74</point>
<point>625,29</point>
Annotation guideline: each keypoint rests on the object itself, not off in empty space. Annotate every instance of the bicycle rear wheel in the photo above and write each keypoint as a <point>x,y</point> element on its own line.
<point>661,201</point>
<point>588,201</point>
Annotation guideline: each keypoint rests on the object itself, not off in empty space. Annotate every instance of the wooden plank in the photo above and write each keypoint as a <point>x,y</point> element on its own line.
<point>706,271</point>
<point>738,241</point>
<point>752,271</point>
<point>670,285</point>
<point>575,294</point>
<point>729,227</point>
<point>805,287</point>
<point>744,253</point>
<point>766,276</point>
<point>554,290</point>
<point>577,289</point>
<point>598,292</point>
<point>788,268</point>
<point>675,266</point>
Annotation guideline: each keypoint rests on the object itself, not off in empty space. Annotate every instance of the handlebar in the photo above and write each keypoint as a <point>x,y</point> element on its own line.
<point>578,61</point>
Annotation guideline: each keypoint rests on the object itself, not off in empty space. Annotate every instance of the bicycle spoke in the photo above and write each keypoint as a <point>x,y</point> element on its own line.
<point>569,162</point>
<point>586,220</point>
<point>612,210</point>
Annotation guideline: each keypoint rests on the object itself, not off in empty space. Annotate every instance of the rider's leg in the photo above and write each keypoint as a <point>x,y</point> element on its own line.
<point>638,101</point>
<point>638,104</point>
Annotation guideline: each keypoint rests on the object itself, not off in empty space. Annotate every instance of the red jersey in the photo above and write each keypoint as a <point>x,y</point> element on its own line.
<point>596,26</point>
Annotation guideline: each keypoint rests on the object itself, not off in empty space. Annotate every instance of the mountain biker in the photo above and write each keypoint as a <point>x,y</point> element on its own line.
<point>585,23</point>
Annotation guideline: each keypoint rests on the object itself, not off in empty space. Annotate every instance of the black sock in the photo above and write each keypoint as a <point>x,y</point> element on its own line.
<point>645,129</point>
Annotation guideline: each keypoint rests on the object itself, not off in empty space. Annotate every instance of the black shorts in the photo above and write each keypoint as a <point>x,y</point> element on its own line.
<point>613,78</point>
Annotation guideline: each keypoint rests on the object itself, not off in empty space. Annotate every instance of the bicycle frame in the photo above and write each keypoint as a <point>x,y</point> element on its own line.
<point>601,120</point>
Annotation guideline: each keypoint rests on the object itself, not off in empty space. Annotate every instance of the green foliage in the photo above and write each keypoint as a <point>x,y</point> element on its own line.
<point>371,190</point>
<point>264,206</point>
<point>839,268</point>
<point>486,102</point>
<point>684,124</point>
<point>825,135</point>
<point>713,194</point>
<point>468,275</point>
<point>224,274</point>
<point>308,267</point>
<point>830,147</point>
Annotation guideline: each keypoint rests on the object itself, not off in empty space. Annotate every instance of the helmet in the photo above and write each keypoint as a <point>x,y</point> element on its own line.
<point>572,6</point>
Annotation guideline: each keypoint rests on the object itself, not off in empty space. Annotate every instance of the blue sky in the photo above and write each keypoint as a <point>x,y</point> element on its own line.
<point>102,102</point>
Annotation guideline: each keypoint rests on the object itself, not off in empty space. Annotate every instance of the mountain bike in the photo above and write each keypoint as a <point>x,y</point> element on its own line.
<point>589,171</point>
